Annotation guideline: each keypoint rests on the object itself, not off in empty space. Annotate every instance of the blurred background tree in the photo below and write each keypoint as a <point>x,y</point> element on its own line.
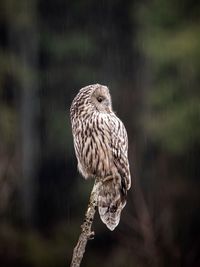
<point>148,53</point>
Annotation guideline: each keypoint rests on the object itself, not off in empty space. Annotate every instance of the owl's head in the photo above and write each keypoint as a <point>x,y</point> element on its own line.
<point>98,97</point>
<point>101,99</point>
<point>91,98</point>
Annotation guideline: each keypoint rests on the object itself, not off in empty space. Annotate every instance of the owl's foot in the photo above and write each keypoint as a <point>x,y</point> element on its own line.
<point>107,178</point>
<point>111,177</point>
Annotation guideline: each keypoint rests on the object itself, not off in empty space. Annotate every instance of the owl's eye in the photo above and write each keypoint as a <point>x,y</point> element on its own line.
<point>99,99</point>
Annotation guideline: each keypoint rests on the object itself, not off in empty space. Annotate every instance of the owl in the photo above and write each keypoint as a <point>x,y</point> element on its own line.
<point>101,148</point>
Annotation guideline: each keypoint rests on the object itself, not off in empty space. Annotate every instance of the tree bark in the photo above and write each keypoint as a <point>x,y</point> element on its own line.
<point>86,233</point>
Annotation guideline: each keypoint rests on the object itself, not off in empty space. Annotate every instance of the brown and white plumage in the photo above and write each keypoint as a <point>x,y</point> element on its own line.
<point>101,147</point>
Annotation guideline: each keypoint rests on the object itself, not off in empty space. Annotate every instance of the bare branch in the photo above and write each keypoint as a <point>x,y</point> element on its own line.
<point>86,233</point>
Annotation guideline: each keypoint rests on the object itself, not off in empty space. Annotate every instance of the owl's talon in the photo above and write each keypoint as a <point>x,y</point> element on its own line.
<point>107,178</point>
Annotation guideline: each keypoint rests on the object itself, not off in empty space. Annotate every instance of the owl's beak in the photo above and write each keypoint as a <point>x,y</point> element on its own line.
<point>107,103</point>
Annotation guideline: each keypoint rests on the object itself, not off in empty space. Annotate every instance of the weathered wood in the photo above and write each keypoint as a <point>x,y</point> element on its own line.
<point>86,233</point>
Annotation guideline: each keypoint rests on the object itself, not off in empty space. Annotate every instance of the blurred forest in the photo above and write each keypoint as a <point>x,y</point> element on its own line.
<point>148,53</point>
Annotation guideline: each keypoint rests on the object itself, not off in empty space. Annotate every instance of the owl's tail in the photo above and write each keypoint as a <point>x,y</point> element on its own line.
<point>111,201</point>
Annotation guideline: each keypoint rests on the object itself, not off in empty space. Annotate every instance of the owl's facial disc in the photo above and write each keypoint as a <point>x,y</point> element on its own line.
<point>101,99</point>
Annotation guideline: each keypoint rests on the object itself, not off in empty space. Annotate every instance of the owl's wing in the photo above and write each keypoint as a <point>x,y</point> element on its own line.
<point>119,147</point>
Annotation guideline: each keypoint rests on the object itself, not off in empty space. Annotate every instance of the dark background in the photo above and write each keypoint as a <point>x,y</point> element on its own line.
<point>148,53</point>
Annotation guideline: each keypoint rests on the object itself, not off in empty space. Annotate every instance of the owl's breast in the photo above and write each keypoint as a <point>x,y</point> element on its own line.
<point>92,146</point>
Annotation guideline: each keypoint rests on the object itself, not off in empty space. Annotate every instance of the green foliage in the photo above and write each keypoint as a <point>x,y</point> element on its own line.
<point>8,126</point>
<point>171,45</point>
<point>34,249</point>
<point>75,45</point>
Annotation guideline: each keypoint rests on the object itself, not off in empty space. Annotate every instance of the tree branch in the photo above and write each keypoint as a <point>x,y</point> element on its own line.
<point>86,233</point>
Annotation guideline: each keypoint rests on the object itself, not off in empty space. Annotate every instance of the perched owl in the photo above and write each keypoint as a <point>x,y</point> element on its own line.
<point>101,146</point>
